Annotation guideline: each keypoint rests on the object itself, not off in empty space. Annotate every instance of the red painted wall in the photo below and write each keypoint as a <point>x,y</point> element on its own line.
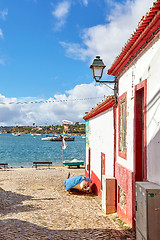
<point>126,180</point>
<point>96,184</point>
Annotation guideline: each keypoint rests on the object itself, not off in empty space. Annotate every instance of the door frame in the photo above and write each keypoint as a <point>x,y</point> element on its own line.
<point>89,163</point>
<point>103,167</point>
<point>141,86</point>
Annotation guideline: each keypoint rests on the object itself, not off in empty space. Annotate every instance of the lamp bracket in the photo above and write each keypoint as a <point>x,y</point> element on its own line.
<point>105,81</point>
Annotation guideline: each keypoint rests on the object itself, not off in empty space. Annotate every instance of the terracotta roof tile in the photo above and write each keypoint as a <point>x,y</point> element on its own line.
<point>142,32</point>
<point>107,102</point>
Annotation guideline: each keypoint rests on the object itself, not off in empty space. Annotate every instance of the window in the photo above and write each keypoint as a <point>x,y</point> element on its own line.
<point>122,126</point>
<point>122,197</point>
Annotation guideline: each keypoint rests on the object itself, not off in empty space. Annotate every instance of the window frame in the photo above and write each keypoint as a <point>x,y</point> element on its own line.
<point>122,99</point>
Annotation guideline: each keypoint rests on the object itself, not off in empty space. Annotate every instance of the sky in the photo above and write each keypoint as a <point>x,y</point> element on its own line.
<point>46,49</point>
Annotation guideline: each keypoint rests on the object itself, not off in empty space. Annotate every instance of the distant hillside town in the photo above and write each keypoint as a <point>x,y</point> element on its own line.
<point>77,128</point>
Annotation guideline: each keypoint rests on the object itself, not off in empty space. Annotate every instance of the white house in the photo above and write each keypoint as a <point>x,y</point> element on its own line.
<point>136,143</point>
<point>99,143</point>
<point>138,113</point>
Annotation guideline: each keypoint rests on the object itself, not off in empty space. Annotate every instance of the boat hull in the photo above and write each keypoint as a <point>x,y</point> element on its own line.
<point>60,139</point>
<point>73,163</point>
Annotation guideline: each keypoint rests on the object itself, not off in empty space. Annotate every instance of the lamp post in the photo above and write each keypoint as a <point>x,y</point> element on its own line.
<point>97,70</point>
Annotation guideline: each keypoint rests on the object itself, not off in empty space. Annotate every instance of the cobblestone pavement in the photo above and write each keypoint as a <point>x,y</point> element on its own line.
<point>35,205</point>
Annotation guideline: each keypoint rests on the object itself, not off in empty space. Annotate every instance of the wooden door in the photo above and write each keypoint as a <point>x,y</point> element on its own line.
<point>140,133</point>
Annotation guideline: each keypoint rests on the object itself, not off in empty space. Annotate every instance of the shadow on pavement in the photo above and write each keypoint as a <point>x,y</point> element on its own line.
<point>16,229</point>
<point>11,202</point>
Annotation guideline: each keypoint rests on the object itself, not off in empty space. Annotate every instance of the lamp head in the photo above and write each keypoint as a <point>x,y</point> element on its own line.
<point>97,68</point>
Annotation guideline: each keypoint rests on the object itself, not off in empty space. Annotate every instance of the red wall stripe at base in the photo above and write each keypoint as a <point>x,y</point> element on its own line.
<point>96,183</point>
<point>126,181</point>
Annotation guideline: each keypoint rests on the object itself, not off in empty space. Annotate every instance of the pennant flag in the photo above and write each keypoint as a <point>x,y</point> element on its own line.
<point>64,144</point>
<point>66,127</point>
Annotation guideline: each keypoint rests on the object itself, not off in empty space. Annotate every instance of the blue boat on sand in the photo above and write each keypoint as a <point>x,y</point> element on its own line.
<point>78,182</point>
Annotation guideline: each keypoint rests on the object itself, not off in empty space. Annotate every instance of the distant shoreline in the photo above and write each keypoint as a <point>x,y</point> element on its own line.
<point>73,129</point>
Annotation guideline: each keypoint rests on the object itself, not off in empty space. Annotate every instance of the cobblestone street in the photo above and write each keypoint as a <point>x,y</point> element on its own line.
<point>35,205</point>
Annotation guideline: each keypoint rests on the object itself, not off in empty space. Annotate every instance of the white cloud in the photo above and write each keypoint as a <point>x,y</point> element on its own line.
<point>85,2</point>
<point>3,14</point>
<point>60,13</point>
<point>1,33</point>
<point>72,105</point>
<point>108,39</point>
<point>75,51</point>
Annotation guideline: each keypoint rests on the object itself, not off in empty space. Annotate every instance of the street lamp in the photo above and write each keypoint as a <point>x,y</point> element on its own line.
<point>97,70</point>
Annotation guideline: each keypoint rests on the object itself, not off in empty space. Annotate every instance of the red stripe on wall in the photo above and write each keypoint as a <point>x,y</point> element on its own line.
<point>96,184</point>
<point>126,181</point>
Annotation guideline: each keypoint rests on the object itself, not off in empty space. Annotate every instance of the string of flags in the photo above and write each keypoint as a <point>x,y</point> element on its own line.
<point>52,101</point>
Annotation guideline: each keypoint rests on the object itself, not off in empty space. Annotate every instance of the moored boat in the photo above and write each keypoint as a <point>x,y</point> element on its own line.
<point>16,134</point>
<point>48,138</point>
<point>74,162</point>
<point>66,138</point>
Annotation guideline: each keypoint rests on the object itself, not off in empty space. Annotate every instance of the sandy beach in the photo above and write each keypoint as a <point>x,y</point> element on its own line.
<point>35,205</point>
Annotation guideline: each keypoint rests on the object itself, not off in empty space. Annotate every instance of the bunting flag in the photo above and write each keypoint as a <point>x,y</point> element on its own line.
<point>64,144</point>
<point>54,101</point>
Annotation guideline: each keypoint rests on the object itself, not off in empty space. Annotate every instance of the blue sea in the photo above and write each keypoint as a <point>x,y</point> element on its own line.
<point>22,151</point>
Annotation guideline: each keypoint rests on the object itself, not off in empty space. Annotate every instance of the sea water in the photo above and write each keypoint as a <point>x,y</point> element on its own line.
<point>22,151</point>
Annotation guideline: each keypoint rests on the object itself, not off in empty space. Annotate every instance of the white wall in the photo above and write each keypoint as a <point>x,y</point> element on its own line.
<point>153,120</point>
<point>147,67</point>
<point>101,139</point>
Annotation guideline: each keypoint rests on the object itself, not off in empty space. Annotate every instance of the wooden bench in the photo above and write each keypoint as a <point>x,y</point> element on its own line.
<point>36,164</point>
<point>5,165</point>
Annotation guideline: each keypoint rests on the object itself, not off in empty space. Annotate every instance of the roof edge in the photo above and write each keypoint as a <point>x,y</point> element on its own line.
<point>147,29</point>
<point>105,105</point>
